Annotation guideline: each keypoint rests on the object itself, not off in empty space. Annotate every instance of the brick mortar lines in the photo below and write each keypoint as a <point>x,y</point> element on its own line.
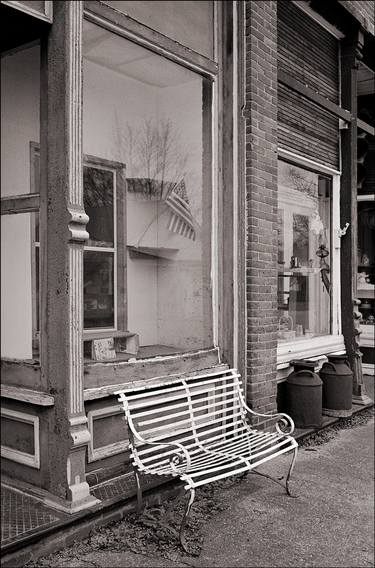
<point>261,187</point>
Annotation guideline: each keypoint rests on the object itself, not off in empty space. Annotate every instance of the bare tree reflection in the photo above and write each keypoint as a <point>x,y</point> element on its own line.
<point>155,159</point>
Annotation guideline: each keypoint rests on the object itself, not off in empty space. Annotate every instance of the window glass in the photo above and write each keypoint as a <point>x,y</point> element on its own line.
<point>16,286</point>
<point>99,205</point>
<point>152,117</point>
<point>20,103</point>
<point>304,253</point>
<point>98,290</point>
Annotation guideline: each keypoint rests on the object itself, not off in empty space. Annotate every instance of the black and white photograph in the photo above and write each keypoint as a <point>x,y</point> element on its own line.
<point>187,283</point>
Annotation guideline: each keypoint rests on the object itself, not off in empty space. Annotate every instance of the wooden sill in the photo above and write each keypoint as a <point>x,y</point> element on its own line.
<point>155,252</point>
<point>27,395</point>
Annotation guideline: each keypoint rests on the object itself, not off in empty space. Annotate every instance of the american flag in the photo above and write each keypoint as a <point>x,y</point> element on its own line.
<point>181,219</point>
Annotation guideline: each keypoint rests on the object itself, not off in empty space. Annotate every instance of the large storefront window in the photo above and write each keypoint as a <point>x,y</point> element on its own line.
<point>304,253</point>
<point>20,102</point>
<point>146,142</point>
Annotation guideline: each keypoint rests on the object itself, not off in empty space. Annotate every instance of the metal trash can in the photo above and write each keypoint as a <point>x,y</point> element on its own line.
<point>337,378</point>
<point>304,398</point>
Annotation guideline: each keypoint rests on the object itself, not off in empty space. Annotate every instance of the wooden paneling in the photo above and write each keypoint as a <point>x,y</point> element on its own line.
<point>20,204</point>
<point>305,128</point>
<point>289,81</point>
<point>101,378</point>
<point>307,51</point>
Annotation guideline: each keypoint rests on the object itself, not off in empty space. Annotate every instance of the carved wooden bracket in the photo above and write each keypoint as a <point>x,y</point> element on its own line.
<point>77,224</point>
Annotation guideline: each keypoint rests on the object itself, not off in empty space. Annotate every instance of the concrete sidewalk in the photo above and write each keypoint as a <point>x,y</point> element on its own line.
<point>330,523</point>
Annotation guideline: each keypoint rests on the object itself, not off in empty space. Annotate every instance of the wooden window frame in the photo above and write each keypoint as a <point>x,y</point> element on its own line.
<point>334,341</point>
<point>119,249</point>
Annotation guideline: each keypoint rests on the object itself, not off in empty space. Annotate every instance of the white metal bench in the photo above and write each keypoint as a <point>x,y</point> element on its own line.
<point>198,429</point>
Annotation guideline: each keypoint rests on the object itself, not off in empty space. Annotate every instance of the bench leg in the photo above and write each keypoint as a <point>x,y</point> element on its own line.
<point>279,480</point>
<point>290,472</point>
<point>184,519</point>
<point>139,491</point>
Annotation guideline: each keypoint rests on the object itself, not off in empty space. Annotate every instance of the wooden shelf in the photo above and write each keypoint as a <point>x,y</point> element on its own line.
<point>302,270</point>
<point>89,335</point>
<point>156,252</point>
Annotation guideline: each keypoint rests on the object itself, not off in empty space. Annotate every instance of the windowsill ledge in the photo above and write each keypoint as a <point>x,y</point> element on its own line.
<point>310,347</point>
<point>27,395</point>
<point>103,379</point>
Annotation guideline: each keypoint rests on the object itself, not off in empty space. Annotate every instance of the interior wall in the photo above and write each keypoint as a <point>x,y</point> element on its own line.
<point>20,99</point>
<point>161,294</point>
<point>188,22</point>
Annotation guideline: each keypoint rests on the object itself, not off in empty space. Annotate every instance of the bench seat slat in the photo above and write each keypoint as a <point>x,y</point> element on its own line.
<point>190,447</point>
<point>148,450</point>
<point>230,447</point>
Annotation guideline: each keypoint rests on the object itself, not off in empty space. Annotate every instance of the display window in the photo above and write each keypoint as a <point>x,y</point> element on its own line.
<point>304,253</point>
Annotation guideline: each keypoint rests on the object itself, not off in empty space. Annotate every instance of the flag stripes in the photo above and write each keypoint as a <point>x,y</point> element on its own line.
<point>181,220</point>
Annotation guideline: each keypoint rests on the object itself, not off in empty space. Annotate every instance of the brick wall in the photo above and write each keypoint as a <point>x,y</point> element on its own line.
<point>261,194</point>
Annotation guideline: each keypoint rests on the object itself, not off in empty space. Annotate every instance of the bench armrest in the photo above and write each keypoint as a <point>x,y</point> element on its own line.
<point>284,424</point>
<point>177,456</point>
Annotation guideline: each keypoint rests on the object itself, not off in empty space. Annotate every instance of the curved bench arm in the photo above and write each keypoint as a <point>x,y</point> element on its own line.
<point>284,420</point>
<point>176,458</point>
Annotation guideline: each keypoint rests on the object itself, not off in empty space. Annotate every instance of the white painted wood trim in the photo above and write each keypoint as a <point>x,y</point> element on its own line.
<point>101,452</point>
<point>305,348</point>
<point>47,15</point>
<point>335,274</point>
<point>31,460</point>
<point>307,162</point>
<point>304,6</point>
<point>27,395</point>
<point>310,347</point>
<point>368,197</point>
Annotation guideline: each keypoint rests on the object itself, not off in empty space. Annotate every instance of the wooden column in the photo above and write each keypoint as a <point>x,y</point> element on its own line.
<point>351,54</point>
<point>63,234</point>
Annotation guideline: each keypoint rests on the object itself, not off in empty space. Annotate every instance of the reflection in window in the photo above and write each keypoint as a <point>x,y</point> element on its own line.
<point>100,252</point>
<point>20,122</point>
<point>98,290</point>
<point>98,199</point>
<point>153,116</point>
<point>304,253</point>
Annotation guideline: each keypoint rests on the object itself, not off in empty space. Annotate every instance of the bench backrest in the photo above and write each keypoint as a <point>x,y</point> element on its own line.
<point>202,406</point>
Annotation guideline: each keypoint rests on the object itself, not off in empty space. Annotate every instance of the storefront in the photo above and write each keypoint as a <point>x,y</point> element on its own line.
<point>174,182</point>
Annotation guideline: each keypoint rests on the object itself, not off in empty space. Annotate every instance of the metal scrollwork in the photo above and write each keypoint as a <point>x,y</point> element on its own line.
<point>176,460</point>
<point>284,424</point>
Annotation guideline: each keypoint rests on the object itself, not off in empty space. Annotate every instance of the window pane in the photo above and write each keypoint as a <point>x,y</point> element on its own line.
<point>152,117</point>
<point>98,202</point>
<point>304,256</point>
<point>98,290</point>
<point>16,286</point>
<point>20,102</point>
